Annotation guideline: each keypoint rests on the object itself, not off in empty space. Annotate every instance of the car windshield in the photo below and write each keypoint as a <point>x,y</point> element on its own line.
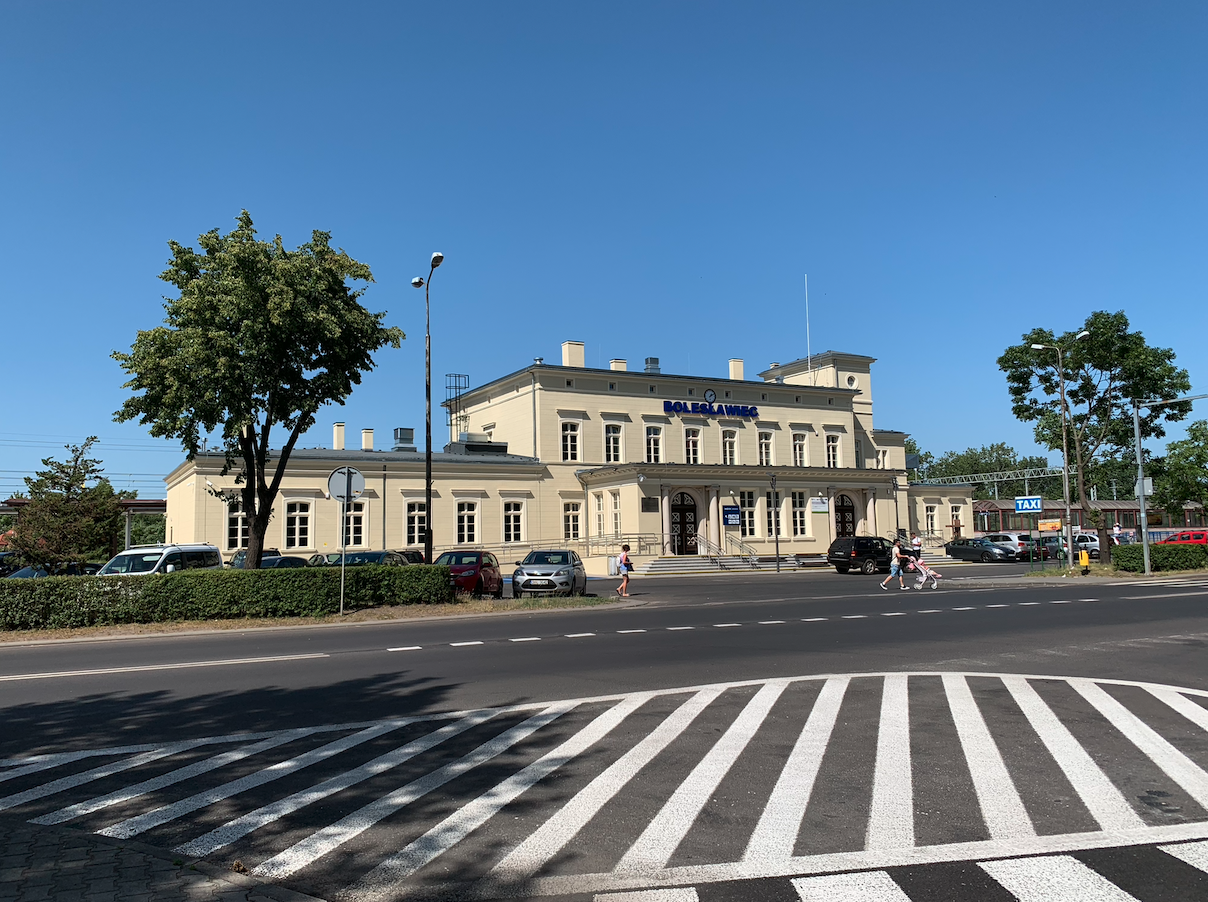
<point>136,562</point>
<point>547,558</point>
<point>458,559</point>
<point>363,557</point>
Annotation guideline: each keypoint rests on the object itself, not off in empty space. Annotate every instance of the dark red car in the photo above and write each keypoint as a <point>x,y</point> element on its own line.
<point>474,572</point>
<point>1192,537</point>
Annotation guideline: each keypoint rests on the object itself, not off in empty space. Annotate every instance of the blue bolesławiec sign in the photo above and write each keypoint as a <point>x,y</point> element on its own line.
<point>1029,505</point>
<point>711,410</point>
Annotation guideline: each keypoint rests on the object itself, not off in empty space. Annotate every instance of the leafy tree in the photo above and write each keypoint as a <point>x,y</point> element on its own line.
<point>1184,472</point>
<point>147,529</point>
<point>260,337</point>
<point>1103,374</point>
<point>996,458</point>
<point>66,519</point>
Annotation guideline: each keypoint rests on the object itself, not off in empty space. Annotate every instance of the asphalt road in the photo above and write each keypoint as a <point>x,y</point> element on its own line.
<point>732,737</point>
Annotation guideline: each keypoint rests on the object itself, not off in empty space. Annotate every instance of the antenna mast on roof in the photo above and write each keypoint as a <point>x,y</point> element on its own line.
<point>809,357</point>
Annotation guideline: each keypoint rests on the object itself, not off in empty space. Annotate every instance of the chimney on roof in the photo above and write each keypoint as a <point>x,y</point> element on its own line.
<point>736,368</point>
<point>404,439</point>
<point>572,353</point>
<point>618,364</point>
<point>366,439</point>
<point>337,437</point>
<point>652,365</point>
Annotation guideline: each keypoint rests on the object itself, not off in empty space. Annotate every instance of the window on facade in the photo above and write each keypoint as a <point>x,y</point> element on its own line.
<point>616,513</point>
<point>297,524</point>
<point>832,451</point>
<point>354,524</point>
<point>654,444</point>
<point>1128,519</point>
<point>599,497</point>
<point>417,522</point>
<point>691,446</point>
<point>746,521</point>
<point>765,449</point>
<point>237,532</point>
<point>800,450</point>
<point>570,520</point>
<point>860,454</point>
<point>570,441</point>
<point>513,518</point>
<point>467,522</point>
<point>800,507</point>
<point>729,447</point>
<point>612,444</point>
<point>929,518</point>
<point>773,514</point>
<point>956,513</point>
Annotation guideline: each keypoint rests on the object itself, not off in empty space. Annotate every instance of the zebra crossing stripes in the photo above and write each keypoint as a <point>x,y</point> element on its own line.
<point>870,886</point>
<point>1057,878</point>
<point>891,820</point>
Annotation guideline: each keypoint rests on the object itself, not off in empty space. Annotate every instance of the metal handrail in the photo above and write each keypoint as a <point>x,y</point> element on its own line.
<point>744,550</point>
<point>639,543</point>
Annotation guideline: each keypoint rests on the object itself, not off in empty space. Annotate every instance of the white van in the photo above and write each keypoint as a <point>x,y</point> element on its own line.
<point>163,559</point>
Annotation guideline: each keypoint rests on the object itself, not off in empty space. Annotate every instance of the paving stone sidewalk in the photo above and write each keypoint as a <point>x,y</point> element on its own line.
<point>59,864</point>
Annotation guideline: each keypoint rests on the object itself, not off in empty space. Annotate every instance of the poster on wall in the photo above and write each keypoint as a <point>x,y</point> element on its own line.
<point>820,505</point>
<point>731,515</point>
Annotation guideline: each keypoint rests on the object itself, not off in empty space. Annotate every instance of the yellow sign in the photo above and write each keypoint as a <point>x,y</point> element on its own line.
<point>1050,526</point>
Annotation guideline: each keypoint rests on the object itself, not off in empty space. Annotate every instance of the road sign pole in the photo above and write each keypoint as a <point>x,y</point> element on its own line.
<point>344,531</point>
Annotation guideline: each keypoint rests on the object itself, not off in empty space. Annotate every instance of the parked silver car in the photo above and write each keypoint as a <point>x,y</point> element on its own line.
<point>550,573</point>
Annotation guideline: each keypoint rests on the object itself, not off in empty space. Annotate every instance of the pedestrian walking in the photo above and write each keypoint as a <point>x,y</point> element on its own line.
<point>896,563</point>
<point>916,546</point>
<point>625,566</point>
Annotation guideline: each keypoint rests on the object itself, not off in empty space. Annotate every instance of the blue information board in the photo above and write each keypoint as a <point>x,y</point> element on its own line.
<point>1031,505</point>
<point>731,515</point>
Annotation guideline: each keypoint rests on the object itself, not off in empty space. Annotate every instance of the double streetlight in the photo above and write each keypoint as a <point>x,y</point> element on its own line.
<point>419,282</point>
<point>1065,446</point>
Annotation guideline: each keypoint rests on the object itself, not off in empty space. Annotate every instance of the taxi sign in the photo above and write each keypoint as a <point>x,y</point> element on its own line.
<point>1031,504</point>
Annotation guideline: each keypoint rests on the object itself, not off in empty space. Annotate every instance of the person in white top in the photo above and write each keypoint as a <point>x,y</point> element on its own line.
<point>916,546</point>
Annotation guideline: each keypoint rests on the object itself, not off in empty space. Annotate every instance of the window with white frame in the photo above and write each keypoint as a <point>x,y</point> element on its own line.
<point>570,441</point>
<point>654,444</point>
<point>570,520</point>
<point>765,449</point>
<point>467,522</point>
<point>956,513</point>
<point>237,530</point>
<point>599,499</point>
<point>800,508</point>
<point>859,454</point>
<point>691,446</point>
<point>929,518</point>
<point>297,524</point>
<point>746,520</point>
<point>773,514</point>
<point>354,524</point>
<point>417,522</point>
<point>729,447</point>
<point>616,513</point>
<point>832,451</point>
<point>800,450</point>
<point>612,444</point>
<point>513,521</point>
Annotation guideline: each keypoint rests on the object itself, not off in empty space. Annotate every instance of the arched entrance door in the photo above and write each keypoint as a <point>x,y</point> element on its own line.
<point>683,524</point>
<point>845,516</point>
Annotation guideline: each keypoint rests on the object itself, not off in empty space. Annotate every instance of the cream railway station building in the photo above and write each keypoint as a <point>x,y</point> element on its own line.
<point>586,458</point>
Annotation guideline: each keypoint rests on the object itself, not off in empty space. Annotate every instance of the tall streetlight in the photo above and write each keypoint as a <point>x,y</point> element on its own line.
<point>1065,448</point>
<point>418,282</point>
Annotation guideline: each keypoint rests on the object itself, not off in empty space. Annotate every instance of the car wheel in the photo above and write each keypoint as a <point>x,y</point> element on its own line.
<point>477,593</point>
<point>842,568</point>
<point>986,557</point>
<point>516,593</point>
<point>869,566</point>
<point>499,590</point>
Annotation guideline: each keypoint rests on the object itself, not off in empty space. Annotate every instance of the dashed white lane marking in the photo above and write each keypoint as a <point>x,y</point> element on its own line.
<point>406,648</point>
<point>579,635</point>
<point>1056,878</point>
<point>872,886</point>
<point>1028,604</point>
<point>891,818</point>
<point>855,616</point>
<point>681,628</point>
<point>894,614</point>
<point>812,619</point>
<point>631,631</point>
<point>1062,601</point>
<point>147,668</point>
<point>998,605</point>
<point>463,644</point>
<point>930,611</point>
<point>1166,595</point>
<point>964,609</point>
<point>526,639</point>
<point>724,625</point>
<point>769,622</point>
<point>679,894</point>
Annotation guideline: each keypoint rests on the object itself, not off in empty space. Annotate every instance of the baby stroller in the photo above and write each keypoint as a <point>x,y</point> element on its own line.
<point>925,573</point>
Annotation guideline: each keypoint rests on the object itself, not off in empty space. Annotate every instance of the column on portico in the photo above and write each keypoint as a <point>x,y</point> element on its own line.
<point>871,516</point>
<point>834,527</point>
<point>715,516</point>
<point>665,506</point>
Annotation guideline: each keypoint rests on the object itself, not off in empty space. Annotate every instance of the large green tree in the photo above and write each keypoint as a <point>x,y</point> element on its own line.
<point>72,513</point>
<point>1184,472</point>
<point>1103,373</point>
<point>996,458</point>
<point>259,337</point>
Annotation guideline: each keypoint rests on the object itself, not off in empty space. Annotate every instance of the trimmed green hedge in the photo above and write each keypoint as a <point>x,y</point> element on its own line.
<point>1161,557</point>
<point>58,602</point>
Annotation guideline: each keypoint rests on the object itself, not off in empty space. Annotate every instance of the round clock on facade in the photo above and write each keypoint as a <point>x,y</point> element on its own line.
<point>710,396</point>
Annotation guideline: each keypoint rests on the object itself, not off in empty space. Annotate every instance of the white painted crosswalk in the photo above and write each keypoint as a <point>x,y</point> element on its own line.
<point>836,786</point>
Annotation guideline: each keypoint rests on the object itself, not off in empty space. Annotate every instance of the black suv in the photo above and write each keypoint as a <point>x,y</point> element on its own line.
<point>868,554</point>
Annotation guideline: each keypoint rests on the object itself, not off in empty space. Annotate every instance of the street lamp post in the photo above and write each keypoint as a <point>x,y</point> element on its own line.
<point>419,282</point>
<point>1065,448</point>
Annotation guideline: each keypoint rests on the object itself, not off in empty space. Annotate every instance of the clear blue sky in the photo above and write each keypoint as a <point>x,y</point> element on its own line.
<point>651,178</point>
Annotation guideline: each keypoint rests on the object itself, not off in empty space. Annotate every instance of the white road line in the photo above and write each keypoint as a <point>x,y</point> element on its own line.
<point>267,814</point>
<point>172,777</point>
<point>382,881</point>
<point>1063,601</point>
<point>1192,853</point>
<point>893,614</point>
<point>631,631</point>
<point>1185,706</point>
<point>769,622</point>
<point>1053,878</point>
<point>930,611</point>
<point>463,644</point>
<point>1002,809</point>
<point>963,609</point>
<point>776,833</point>
<point>1165,595</point>
<point>1100,796</point>
<point>678,894</point>
<point>553,835</point>
<point>406,648</point>
<point>724,625</point>
<point>1185,772</point>
<point>1028,604</point>
<point>135,825</point>
<point>335,835</point>
<point>870,886</point>
<point>526,639</point>
<point>36,763</point>
<point>668,828</point>
<point>812,619</point>
<point>998,605</point>
<point>146,668</point>
<point>891,819</point>
<point>855,616</point>
<point>681,627</point>
<point>578,635</point>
